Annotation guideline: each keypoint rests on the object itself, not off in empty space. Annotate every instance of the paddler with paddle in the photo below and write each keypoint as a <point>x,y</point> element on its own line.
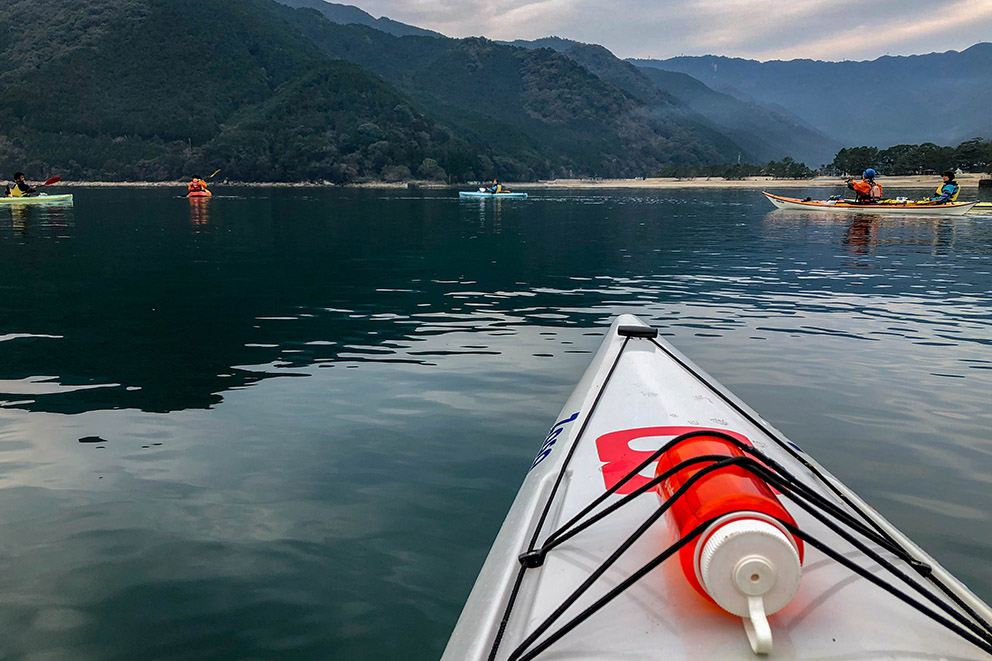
<point>866,190</point>
<point>22,188</point>
<point>199,185</point>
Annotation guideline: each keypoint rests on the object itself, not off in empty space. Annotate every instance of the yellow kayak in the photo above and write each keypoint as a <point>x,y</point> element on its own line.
<point>39,199</point>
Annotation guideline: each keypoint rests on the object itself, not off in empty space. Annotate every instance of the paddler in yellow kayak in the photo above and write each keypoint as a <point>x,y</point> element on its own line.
<point>20,188</point>
<point>947,191</point>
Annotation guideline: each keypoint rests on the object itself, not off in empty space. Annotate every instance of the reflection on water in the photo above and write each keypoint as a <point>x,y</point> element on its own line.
<point>199,212</point>
<point>227,426</point>
<point>38,220</point>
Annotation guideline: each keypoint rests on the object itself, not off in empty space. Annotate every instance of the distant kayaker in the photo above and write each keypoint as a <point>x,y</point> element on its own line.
<point>496,187</point>
<point>20,188</point>
<point>867,190</point>
<point>947,191</point>
<point>198,185</point>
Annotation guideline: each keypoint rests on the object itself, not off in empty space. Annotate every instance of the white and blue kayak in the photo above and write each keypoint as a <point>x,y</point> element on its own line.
<point>898,207</point>
<point>481,193</point>
<point>664,519</point>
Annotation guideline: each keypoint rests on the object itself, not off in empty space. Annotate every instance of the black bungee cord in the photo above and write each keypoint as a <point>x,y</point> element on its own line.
<point>975,630</point>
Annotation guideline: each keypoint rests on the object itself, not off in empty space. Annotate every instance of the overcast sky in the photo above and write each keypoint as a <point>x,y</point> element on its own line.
<point>758,29</point>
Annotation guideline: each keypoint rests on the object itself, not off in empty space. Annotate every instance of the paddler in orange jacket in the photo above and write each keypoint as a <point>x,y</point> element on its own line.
<point>197,185</point>
<point>867,190</point>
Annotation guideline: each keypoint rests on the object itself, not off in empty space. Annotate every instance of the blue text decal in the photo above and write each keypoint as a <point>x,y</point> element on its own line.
<point>549,442</point>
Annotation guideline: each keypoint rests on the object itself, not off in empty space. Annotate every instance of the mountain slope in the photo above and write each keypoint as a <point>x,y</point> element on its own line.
<point>181,96</point>
<point>938,97</point>
<point>349,14</point>
<point>764,131</point>
<point>533,100</point>
<point>763,134</point>
<point>137,90</point>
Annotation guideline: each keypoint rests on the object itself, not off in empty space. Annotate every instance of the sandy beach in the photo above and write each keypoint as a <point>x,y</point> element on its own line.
<point>967,181</point>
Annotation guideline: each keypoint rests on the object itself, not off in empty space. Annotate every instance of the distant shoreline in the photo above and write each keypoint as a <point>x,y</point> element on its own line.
<point>967,181</point>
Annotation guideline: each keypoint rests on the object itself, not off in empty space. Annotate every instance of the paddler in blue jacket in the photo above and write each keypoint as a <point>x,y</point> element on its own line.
<point>496,187</point>
<point>947,191</point>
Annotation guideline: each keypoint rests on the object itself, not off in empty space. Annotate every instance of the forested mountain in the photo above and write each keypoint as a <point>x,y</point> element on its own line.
<point>764,134</point>
<point>139,90</point>
<point>553,114</point>
<point>349,14</point>
<point>940,97</point>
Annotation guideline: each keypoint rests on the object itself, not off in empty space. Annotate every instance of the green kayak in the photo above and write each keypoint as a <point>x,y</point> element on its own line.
<point>39,199</point>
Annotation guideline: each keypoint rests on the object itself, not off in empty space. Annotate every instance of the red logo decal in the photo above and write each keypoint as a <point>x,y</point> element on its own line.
<point>619,458</point>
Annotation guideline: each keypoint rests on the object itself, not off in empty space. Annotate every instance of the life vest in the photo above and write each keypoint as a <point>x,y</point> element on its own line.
<point>876,191</point>
<point>197,185</point>
<point>952,188</point>
<point>15,191</point>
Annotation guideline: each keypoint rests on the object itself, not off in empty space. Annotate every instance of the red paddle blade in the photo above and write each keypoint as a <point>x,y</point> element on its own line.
<point>53,180</point>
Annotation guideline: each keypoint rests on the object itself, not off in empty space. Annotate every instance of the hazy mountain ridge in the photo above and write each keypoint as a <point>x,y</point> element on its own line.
<point>763,134</point>
<point>937,97</point>
<point>349,14</point>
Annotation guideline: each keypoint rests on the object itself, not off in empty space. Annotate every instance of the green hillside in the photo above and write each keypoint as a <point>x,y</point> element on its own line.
<point>538,104</point>
<point>160,89</point>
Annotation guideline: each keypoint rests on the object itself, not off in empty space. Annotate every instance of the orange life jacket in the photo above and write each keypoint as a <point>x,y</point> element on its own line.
<point>867,189</point>
<point>197,185</point>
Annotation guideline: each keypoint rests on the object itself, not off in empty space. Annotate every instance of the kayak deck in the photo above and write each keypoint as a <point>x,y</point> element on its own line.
<point>906,207</point>
<point>638,394</point>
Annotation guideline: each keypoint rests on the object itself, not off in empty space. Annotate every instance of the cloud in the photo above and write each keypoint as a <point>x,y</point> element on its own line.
<point>760,29</point>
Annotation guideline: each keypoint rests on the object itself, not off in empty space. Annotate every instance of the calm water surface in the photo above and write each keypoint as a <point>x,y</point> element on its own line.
<point>288,423</point>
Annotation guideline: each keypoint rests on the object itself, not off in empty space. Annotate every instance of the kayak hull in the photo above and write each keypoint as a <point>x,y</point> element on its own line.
<point>481,194</point>
<point>40,199</point>
<point>636,395</point>
<point>204,193</point>
<point>895,208</point>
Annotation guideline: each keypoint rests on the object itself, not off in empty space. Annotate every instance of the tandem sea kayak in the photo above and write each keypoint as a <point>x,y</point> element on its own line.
<point>898,207</point>
<point>664,519</point>
<point>484,194</point>
<point>38,199</point>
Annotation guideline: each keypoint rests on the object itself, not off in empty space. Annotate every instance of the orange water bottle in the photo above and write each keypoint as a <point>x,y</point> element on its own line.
<point>745,561</point>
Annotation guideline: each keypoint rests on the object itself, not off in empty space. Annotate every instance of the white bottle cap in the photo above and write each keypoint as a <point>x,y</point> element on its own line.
<point>751,569</point>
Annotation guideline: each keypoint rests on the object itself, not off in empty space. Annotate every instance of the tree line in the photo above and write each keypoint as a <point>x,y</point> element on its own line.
<point>973,155</point>
<point>787,168</point>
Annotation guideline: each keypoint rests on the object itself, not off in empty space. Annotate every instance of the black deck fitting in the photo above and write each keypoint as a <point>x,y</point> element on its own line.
<point>637,331</point>
<point>532,559</point>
